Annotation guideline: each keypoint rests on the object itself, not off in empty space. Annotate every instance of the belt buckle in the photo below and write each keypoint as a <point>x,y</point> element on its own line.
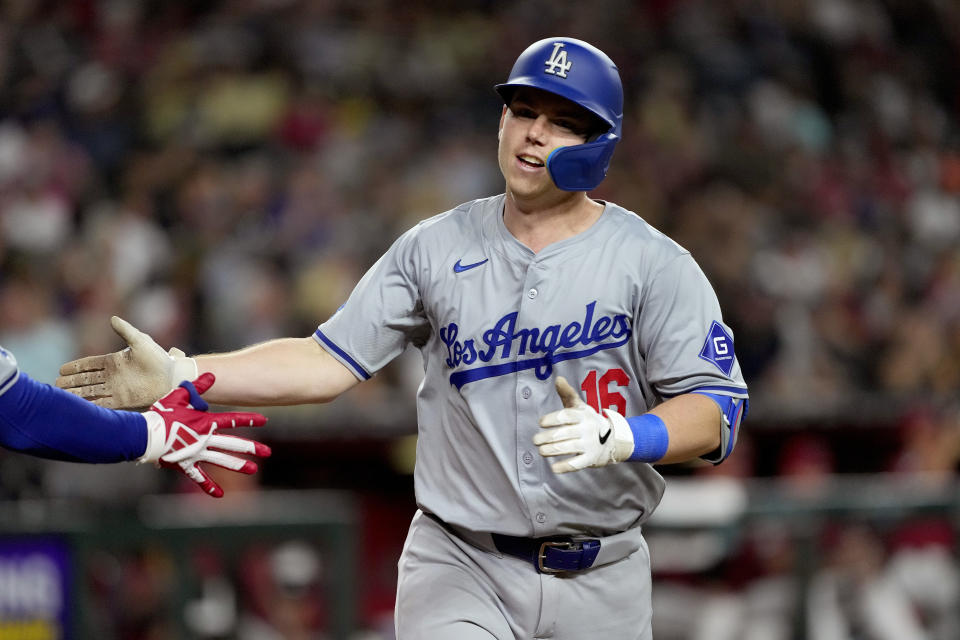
<point>542,554</point>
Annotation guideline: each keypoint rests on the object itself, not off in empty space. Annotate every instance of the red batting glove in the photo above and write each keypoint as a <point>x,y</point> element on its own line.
<point>181,434</point>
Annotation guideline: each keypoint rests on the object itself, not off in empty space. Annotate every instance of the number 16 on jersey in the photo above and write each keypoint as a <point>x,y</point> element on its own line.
<point>601,390</point>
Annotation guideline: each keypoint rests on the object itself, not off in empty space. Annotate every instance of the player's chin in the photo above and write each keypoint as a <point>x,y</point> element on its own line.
<point>529,188</point>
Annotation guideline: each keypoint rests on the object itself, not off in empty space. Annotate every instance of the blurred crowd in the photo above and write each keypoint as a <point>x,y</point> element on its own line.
<point>223,172</point>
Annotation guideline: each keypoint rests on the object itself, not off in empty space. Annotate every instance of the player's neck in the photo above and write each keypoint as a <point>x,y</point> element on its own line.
<point>540,226</point>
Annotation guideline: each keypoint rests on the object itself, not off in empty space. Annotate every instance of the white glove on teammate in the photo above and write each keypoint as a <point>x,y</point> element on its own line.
<point>130,379</point>
<point>577,430</point>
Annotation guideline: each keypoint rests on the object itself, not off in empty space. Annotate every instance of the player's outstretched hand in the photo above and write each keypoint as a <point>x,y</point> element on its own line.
<point>128,379</point>
<point>577,430</point>
<point>181,435</point>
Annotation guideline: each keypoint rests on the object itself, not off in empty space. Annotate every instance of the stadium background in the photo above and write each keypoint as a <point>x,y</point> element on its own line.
<point>220,173</point>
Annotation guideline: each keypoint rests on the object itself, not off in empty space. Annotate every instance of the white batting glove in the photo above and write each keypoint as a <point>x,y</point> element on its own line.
<point>130,379</point>
<point>181,435</point>
<point>594,440</point>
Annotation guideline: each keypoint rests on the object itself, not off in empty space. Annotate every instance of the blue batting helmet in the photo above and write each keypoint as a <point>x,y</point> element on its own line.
<point>583,74</point>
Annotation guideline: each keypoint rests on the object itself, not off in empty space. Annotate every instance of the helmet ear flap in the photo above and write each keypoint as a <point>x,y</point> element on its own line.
<point>581,167</point>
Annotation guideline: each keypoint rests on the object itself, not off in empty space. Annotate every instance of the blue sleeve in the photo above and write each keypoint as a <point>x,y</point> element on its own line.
<point>50,423</point>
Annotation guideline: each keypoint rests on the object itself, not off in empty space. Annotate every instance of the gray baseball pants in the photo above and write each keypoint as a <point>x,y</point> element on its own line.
<point>449,589</point>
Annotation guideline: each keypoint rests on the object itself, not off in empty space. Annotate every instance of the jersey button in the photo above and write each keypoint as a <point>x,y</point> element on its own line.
<point>541,517</point>
<point>527,458</point>
<point>526,393</point>
<point>533,293</point>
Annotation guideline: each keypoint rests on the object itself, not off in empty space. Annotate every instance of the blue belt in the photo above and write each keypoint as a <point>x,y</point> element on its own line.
<point>555,554</point>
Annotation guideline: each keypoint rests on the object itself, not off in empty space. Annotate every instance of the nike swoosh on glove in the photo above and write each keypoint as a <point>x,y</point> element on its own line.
<point>579,431</point>
<point>182,434</point>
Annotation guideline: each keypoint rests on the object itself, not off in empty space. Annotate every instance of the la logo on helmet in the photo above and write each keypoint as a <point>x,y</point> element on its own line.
<point>557,64</point>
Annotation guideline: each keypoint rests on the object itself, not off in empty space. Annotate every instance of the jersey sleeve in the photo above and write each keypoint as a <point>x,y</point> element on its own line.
<point>383,314</point>
<point>46,422</point>
<point>682,336</point>
<point>687,346</point>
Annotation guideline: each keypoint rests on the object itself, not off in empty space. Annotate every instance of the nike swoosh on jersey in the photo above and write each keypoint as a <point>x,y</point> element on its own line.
<point>460,268</point>
<point>603,438</point>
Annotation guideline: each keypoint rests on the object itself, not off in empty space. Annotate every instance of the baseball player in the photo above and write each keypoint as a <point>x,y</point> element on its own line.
<point>567,347</point>
<point>176,432</point>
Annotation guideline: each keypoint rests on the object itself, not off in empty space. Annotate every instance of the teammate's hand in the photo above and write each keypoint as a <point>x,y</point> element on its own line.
<point>128,379</point>
<point>577,430</point>
<point>181,434</point>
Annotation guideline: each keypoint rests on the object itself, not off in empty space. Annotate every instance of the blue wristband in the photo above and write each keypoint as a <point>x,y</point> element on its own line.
<point>650,438</point>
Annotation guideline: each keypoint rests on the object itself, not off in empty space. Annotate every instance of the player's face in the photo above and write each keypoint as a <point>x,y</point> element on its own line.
<point>534,124</point>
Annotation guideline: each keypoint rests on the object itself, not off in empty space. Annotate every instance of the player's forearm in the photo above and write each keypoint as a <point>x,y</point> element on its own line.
<point>694,424</point>
<point>286,371</point>
<point>46,422</point>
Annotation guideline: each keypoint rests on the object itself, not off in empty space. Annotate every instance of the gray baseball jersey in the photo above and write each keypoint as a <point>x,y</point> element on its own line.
<point>620,310</point>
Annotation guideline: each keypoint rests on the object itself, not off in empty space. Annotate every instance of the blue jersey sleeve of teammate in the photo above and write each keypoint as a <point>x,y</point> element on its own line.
<point>43,421</point>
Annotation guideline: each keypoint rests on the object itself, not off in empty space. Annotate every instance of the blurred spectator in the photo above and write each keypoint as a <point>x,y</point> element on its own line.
<point>923,565</point>
<point>757,597</point>
<point>29,326</point>
<point>853,596</point>
<point>930,445</point>
<point>806,466</point>
<point>283,594</point>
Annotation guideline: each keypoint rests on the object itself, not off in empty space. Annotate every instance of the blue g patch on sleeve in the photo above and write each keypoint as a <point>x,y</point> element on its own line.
<point>718,348</point>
